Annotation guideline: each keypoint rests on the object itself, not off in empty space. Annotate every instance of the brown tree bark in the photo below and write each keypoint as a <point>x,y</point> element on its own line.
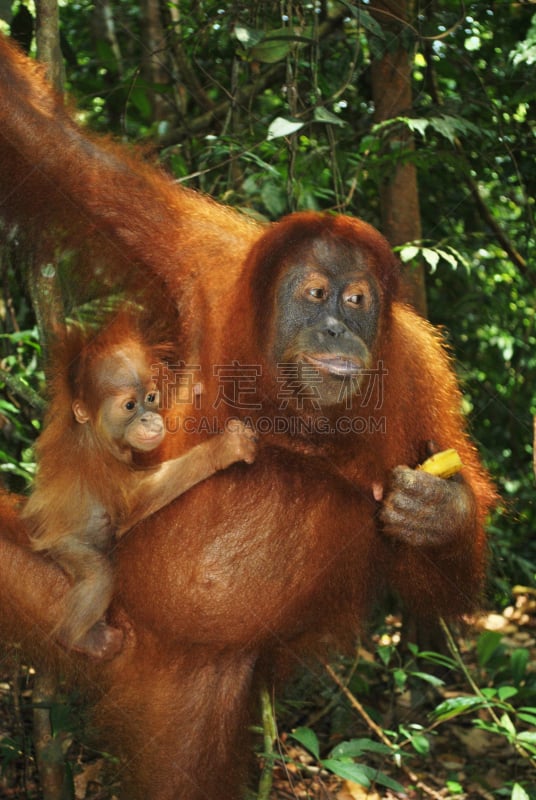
<point>47,34</point>
<point>392,95</point>
<point>154,57</point>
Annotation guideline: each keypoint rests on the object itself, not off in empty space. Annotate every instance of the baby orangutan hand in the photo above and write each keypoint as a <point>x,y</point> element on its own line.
<point>238,442</point>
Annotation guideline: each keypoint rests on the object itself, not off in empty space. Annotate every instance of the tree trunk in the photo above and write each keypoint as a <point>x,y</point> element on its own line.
<point>47,34</point>
<point>154,60</point>
<point>391,92</point>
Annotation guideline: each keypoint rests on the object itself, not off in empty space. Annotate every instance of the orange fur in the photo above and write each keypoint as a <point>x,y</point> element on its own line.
<point>87,486</point>
<point>259,565</point>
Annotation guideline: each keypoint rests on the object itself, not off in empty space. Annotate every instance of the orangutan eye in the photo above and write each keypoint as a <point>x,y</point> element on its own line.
<point>151,398</point>
<point>130,405</point>
<point>357,297</point>
<point>317,293</point>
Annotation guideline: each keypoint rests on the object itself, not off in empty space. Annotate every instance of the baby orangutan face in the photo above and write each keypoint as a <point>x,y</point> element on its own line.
<point>122,404</point>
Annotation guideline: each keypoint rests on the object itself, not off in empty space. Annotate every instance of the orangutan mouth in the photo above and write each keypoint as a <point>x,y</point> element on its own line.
<point>337,365</point>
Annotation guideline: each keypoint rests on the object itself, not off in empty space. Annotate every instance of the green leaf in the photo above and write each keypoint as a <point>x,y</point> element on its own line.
<point>277,44</point>
<point>369,144</point>
<point>508,725</point>
<point>530,718</point>
<point>447,126</point>
<point>449,257</point>
<point>356,747</point>
<point>416,125</point>
<point>365,19</point>
<point>385,780</point>
<point>369,23</point>
<point>526,54</point>
<point>455,706</point>
<point>527,737</point>
<point>261,163</point>
<point>431,257</point>
<point>408,253</point>
<point>106,55</point>
<point>505,692</point>
<point>518,793</point>
<point>247,36</point>
<point>274,198</point>
<point>420,744</point>
<point>349,771</point>
<point>487,645</point>
<point>361,774</point>
<point>438,658</point>
<point>385,651</point>
<point>323,115</point>
<point>8,407</point>
<point>448,131</point>
<point>282,127</point>
<point>400,678</point>
<point>433,680</point>
<point>518,662</point>
<point>270,52</point>
<point>140,98</point>
<point>308,739</point>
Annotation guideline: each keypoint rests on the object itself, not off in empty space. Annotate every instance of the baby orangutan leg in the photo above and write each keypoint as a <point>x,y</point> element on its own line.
<point>83,628</point>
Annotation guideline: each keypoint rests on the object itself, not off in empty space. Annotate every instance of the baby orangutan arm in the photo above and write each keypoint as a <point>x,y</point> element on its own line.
<point>161,486</point>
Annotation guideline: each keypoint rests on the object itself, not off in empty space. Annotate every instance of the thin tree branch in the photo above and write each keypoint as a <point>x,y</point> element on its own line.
<point>414,778</point>
<point>244,95</point>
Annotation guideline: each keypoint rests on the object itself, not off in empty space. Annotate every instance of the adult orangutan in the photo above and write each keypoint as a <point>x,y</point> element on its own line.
<point>296,327</point>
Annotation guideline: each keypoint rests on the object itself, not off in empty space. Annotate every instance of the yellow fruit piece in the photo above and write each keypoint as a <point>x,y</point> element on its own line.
<point>443,464</point>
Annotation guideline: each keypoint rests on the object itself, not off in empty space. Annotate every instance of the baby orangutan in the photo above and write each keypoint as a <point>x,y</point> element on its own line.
<point>88,489</point>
